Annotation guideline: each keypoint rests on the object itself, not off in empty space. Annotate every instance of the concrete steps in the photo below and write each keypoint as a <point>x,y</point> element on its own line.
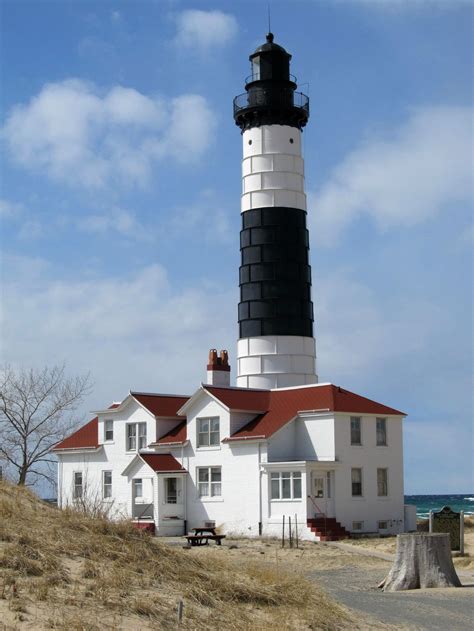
<point>327,529</point>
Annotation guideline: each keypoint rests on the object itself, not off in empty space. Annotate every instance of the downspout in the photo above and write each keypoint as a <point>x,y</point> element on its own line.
<point>185,495</point>
<point>260,473</point>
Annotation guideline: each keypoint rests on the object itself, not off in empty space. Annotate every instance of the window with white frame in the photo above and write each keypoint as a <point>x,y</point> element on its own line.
<point>382,482</point>
<point>356,434</point>
<point>208,432</point>
<point>356,479</point>
<point>357,525</point>
<point>138,487</point>
<point>136,436</point>
<point>381,432</point>
<point>77,485</point>
<point>285,485</point>
<point>109,430</point>
<point>209,481</point>
<point>382,525</point>
<point>106,484</point>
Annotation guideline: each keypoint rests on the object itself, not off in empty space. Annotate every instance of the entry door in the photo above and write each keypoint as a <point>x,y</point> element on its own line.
<point>322,493</point>
<point>173,497</point>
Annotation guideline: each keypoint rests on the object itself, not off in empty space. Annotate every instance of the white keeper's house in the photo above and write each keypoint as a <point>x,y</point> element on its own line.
<point>280,445</point>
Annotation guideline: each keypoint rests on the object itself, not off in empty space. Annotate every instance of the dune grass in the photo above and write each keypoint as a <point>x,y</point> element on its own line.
<point>64,570</point>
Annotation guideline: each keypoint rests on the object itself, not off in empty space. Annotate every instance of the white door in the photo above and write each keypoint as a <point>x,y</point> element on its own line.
<point>322,493</point>
<point>173,497</point>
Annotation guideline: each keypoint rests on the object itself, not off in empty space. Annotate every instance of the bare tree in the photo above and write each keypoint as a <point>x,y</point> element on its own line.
<point>36,408</point>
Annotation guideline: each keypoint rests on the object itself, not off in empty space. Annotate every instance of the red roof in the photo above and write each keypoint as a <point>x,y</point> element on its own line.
<point>281,406</point>
<point>162,462</point>
<point>86,437</point>
<point>161,404</point>
<point>174,436</point>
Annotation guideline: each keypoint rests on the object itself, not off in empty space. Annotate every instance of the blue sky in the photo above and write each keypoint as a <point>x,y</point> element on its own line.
<point>120,198</point>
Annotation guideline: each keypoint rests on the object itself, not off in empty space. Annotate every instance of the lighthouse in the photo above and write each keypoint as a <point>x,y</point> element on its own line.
<point>276,347</point>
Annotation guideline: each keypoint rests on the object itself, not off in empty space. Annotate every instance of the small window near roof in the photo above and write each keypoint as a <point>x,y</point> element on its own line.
<point>381,432</point>
<point>109,430</point>
<point>355,430</point>
<point>208,433</point>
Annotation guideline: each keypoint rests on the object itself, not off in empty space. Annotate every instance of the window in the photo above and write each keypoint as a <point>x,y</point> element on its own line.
<point>171,490</point>
<point>209,482</point>
<point>381,432</point>
<point>382,482</point>
<point>77,490</point>
<point>318,485</point>
<point>106,484</point>
<point>357,525</point>
<point>138,487</point>
<point>109,430</point>
<point>285,485</point>
<point>208,432</point>
<point>141,435</point>
<point>382,525</point>
<point>356,477</point>
<point>134,430</point>
<point>355,431</point>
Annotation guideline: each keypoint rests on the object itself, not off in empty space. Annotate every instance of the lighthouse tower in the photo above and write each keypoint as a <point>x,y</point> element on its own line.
<point>276,347</point>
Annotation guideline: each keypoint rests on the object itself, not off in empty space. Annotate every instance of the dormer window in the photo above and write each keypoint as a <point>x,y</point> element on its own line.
<point>109,431</point>
<point>208,434</point>
<point>136,431</point>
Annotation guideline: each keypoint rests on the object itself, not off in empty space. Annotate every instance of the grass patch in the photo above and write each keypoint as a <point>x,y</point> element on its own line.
<point>87,569</point>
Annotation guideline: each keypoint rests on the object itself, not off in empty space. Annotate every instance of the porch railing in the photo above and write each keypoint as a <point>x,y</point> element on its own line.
<point>145,513</point>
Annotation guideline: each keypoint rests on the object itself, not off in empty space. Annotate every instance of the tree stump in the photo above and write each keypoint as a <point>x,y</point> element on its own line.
<point>422,560</point>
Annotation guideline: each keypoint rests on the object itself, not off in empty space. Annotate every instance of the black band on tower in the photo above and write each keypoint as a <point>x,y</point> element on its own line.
<point>275,275</point>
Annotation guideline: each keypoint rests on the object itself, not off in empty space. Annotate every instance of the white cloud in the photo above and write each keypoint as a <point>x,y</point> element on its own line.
<point>204,29</point>
<point>116,220</point>
<point>139,331</point>
<point>401,178</point>
<point>75,134</point>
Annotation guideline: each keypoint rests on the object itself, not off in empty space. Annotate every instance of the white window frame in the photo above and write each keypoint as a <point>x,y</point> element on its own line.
<point>139,437</point>
<point>357,525</point>
<point>109,422</point>
<point>383,421</point>
<point>106,486</point>
<point>382,484</point>
<point>75,485</point>
<point>137,482</point>
<point>361,494</point>
<point>208,439</point>
<point>359,420</point>
<point>382,521</point>
<point>279,477</point>
<point>209,489</point>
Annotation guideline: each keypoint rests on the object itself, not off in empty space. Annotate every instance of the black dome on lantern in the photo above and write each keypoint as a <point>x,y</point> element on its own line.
<point>270,46</point>
<point>270,97</point>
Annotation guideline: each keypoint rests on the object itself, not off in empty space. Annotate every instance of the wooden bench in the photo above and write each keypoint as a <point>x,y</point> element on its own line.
<point>203,540</point>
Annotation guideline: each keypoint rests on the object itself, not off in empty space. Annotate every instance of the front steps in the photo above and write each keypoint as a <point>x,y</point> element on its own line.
<point>327,529</point>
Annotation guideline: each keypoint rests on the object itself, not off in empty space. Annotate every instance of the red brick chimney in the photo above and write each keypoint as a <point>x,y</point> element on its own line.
<point>218,369</point>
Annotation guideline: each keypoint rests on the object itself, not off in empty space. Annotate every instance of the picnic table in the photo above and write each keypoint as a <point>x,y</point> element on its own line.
<point>201,537</point>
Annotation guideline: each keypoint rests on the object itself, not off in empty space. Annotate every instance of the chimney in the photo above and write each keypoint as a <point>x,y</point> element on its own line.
<point>218,369</point>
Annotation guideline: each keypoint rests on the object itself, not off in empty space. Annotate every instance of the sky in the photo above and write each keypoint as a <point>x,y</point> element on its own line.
<point>120,208</point>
